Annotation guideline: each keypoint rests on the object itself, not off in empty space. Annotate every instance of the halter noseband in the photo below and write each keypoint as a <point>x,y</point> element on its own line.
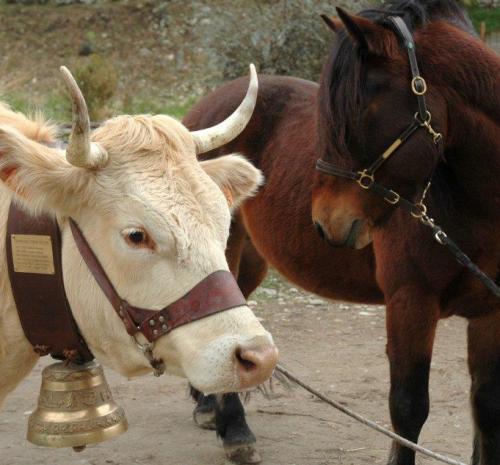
<point>365,178</point>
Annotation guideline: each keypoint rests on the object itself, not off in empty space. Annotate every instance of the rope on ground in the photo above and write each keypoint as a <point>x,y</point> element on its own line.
<point>365,421</point>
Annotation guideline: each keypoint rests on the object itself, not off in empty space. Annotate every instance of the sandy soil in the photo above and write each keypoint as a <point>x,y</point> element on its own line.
<point>338,348</point>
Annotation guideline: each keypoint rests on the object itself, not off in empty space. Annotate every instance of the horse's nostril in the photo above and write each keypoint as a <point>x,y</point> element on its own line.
<point>319,230</point>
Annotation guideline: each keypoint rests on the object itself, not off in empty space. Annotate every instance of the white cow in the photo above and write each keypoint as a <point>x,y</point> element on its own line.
<point>158,221</point>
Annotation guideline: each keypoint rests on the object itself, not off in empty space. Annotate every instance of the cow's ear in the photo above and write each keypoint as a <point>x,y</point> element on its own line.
<point>39,175</point>
<point>236,177</point>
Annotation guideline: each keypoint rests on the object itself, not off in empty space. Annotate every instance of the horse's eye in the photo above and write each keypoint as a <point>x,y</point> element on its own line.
<point>138,237</point>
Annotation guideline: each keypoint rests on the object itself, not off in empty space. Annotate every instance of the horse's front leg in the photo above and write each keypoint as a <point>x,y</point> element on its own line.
<point>412,317</point>
<point>484,366</point>
<point>225,413</point>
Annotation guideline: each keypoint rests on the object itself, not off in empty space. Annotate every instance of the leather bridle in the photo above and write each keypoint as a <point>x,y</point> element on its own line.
<point>215,293</point>
<point>365,178</point>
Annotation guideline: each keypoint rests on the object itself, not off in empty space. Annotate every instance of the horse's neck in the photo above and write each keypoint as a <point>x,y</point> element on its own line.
<point>474,152</point>
<point>472,142</point>
<point>461,66</point>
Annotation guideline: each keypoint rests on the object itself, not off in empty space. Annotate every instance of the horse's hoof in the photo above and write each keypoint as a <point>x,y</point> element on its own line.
<point>204,420</point>
<point>242,454</point>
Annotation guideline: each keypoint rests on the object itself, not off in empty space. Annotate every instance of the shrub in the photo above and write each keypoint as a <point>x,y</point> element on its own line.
<point>98,80</point>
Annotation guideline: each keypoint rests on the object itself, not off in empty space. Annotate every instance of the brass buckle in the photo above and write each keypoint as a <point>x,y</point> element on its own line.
<point>419,211</point>
<point>365,179</point>
<point>395,200</point>
<point>415,81</point>
<point>440,236</point>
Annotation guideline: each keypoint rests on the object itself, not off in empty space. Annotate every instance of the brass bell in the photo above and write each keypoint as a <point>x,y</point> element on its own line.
<point>75,408</point>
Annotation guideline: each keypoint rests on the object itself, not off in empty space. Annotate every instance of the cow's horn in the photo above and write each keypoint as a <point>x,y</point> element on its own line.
<point>81,151</point>
<point>216,136</point>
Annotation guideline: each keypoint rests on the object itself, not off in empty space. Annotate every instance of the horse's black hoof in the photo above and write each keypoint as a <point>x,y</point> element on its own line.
<point>204,419</point>
<point>242,454</point>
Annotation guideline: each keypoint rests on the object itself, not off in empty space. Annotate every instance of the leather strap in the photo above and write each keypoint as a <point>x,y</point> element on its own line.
<point>39,293</point>
<point>216,293</point>
<point>419,86</point>
<point>403,137</point>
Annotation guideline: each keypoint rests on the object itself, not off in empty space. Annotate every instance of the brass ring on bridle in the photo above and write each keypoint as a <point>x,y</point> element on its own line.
<point>416,81</point>
<point>365,179</point>
<point>420,210</point>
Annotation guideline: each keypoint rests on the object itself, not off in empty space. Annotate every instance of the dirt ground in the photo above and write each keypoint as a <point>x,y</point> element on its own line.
<point>338,348</point>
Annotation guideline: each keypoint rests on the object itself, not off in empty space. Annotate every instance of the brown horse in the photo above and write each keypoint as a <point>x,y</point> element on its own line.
<point>368,98</point>
<point>364,103</point>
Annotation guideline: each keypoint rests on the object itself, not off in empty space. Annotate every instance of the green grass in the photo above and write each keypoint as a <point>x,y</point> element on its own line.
<point>52,106</point>
<point>57,107</point>
<point>490,16</point>
<point>149,105</point>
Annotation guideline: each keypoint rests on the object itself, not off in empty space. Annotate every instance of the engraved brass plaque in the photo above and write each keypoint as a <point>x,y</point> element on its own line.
<point>32,254</point>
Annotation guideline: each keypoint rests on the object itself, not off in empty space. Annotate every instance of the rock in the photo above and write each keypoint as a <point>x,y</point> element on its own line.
<point>267,291</point>
<point>317,302</point>
<point>86,49</point>
<point>145,52</point>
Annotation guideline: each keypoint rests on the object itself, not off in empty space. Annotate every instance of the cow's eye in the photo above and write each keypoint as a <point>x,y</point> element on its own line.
<point>138,237</point>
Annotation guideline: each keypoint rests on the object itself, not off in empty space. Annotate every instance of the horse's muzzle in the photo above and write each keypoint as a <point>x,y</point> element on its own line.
<point>355,234</point>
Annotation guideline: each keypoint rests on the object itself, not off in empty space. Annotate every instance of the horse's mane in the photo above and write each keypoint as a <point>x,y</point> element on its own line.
<point>416,13</point>
<point>342,77</point>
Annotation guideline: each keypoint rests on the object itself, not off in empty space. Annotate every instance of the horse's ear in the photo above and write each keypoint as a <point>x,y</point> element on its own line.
<point>366,33</point>
<point>333,23</point>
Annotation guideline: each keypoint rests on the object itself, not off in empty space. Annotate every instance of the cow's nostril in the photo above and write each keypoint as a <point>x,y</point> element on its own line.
<point>319,230</point>
<point>255,361</point>
<point>244,360</point>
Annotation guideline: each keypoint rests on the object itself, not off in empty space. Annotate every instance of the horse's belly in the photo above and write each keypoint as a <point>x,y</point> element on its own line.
<point>283,234</point>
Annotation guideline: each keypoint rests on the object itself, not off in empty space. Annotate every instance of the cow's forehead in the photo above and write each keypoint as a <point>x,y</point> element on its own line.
<point>153,166</point>
<point>126,137</point>
<point>152,155</point>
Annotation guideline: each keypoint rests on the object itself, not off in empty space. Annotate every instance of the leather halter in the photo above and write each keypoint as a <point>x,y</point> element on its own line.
<point>215,293</point>
<point>365,178</point>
